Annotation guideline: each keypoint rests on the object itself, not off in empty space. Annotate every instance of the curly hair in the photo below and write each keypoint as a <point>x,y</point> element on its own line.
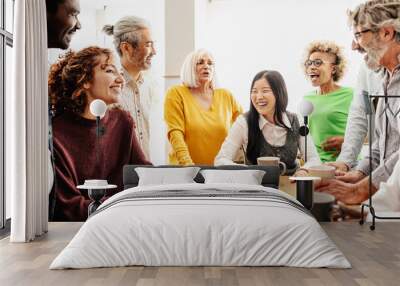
<point>68,75</point>
<point>330,48</point>
<point>375,14</point>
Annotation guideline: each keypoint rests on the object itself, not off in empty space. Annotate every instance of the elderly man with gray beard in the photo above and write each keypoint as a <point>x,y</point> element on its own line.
<point>376,27</point>
<point>135,46</point>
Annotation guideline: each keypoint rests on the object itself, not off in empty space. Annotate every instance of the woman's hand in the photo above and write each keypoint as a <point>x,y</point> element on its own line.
<point>333,144</point>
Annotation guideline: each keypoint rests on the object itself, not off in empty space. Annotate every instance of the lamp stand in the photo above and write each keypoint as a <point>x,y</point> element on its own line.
<point>369,99</point>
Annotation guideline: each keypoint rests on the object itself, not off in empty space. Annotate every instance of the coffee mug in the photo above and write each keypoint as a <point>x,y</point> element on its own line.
<point>322,171</point>
<point>272,161</point>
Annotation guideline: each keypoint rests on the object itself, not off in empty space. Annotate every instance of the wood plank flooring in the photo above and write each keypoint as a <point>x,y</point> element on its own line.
<point>374,255</point>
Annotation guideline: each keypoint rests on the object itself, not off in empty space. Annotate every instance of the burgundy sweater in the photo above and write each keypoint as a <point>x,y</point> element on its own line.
<point>74,139</point>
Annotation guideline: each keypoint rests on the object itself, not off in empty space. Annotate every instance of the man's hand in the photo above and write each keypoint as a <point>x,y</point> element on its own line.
<point>340,166</point>
<point>345,192</point>
<point>350,177</point>
<point>333,143</point>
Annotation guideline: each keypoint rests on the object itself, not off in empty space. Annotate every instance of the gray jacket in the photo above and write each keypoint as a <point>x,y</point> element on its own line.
<point>386,143</point>
<point>357,122</point>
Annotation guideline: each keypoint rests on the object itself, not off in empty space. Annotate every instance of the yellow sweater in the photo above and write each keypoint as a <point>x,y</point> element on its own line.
<point>196,134</point>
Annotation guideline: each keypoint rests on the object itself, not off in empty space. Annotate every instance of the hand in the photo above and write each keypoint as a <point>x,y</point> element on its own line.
<point>350,177</point>
<point>340,166</point>
<point>339,173</point>
<point>299,173</point>
<point>347,193</point>
<point>333,143</point>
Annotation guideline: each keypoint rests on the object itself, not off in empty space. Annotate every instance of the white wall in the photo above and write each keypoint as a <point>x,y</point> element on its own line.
<point>179,36</point>
<point>248,36</point>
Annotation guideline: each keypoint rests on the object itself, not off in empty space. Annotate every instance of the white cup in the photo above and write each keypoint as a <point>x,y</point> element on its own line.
<point>322,171</point>
<point>272,161</point>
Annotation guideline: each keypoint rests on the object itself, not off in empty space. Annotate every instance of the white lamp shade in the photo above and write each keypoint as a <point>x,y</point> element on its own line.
<point>305,107</point>
<point>98,107</point>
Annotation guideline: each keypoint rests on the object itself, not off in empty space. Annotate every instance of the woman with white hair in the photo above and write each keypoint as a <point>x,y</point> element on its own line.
<point>198,115</point>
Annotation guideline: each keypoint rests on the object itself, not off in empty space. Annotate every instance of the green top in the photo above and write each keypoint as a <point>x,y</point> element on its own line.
<point>329,118</point>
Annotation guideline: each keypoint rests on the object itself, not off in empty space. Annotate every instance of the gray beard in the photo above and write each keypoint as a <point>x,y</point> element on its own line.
<point>373,57</point>
<point>372,63</point>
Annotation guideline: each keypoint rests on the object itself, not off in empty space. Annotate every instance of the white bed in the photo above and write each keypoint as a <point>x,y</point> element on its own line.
<point>249,226</point>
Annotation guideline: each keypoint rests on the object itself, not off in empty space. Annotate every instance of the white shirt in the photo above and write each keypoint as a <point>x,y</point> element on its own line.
<point>138,97</point>
<point>237,140</point>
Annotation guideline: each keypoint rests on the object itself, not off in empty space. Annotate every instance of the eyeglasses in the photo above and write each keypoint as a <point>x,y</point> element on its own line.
<point>357,35</point>
<point>317,63</point>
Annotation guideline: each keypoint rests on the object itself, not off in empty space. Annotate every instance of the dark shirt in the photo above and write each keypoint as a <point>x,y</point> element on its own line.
<point>76,158</point>
<point>287,152</point>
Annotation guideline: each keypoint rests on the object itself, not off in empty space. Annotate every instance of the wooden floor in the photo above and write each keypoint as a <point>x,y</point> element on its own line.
<point>374,255</point>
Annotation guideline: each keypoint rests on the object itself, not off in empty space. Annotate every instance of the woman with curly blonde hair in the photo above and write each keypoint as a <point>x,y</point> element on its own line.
<point>324,66</point>
<point>77,79</point>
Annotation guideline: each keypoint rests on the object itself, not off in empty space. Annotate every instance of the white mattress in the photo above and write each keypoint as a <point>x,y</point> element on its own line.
<point>203,231</point>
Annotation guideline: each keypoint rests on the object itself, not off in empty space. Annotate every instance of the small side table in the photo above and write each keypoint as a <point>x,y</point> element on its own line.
<point>305,190</point>
<point>95,193</point>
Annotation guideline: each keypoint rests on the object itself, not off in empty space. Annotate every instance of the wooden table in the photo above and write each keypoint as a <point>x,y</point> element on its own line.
<point>286,186</point>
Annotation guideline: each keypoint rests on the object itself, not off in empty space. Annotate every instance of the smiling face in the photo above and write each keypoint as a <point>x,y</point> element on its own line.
<point>62,24</point>
<point>370,44</point>
<point>143,54</point>
<point>322,74</point>
<point>107,82</point>
<point>204,69</point>
<point>262,98</point>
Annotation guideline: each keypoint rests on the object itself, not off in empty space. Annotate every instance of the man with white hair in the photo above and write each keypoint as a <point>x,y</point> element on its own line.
<point>135,46</point>
<point>376,26</point>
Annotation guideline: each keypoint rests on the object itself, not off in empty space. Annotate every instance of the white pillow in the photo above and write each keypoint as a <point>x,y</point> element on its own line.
<point>166,176</point>
<point>248,177</point>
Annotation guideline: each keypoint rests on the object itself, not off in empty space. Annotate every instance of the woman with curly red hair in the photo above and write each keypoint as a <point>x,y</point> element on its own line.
<point>74,82</point>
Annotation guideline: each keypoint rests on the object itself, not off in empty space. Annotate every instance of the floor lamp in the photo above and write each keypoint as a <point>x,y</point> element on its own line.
<point>97,188</point>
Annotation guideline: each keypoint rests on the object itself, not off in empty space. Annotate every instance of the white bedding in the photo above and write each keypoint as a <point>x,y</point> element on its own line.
<point>183,231</point>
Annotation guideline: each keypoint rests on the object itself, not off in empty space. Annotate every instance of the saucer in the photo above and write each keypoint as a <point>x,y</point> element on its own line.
<point>96,185</point>
<point>305,178</point>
